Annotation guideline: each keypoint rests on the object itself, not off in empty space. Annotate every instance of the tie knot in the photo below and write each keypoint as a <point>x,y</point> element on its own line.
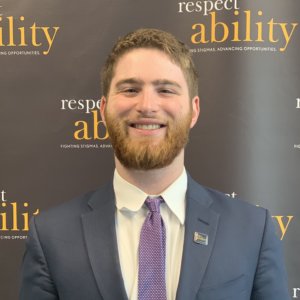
<point>153,204</point>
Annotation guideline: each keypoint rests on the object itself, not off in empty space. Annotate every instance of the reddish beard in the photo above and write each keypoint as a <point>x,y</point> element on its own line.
<point>144,153</point>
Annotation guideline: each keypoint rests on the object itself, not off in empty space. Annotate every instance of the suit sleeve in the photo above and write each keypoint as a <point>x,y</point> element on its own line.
<point>270,281</point>
<point>36,282</point>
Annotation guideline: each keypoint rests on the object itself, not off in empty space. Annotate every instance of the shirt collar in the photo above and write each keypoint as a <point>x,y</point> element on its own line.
<point>174,195</point>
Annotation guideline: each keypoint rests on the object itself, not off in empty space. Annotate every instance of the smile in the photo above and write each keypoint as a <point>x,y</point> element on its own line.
<point>147,126</point>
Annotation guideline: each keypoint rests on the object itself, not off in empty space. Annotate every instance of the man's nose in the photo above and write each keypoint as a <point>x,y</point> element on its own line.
<point>147,102</point>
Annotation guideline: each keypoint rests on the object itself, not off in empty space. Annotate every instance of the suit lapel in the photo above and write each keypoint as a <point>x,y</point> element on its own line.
<point>100,236</point>
<point>202,219</point>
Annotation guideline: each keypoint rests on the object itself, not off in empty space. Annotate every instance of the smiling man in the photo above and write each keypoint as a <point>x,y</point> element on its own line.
<point>152,233</point>
<point>148,112</point>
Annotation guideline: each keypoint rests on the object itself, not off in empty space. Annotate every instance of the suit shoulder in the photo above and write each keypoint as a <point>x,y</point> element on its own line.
<point>71,209</point>
<point>224,204</point>
<point>234,215</point>
<point>225,200</point>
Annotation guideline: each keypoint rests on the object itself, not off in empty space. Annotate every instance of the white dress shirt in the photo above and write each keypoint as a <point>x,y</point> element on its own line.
<point>130,216</point>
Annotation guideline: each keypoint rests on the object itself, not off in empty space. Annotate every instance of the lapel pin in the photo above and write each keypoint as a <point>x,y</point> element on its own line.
<point>201,238</point>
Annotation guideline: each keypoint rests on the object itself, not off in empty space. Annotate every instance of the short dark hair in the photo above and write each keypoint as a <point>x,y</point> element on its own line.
<point>156,39</point>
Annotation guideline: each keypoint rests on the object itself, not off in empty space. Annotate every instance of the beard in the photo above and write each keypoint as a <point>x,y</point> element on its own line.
<point>144,153</point>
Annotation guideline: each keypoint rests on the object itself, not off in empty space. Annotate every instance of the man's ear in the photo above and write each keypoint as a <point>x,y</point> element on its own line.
<point>102,109</point>
<point>195,110</point>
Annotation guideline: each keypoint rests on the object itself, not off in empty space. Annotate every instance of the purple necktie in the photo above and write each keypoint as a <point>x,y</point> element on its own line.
<point>152,254</point>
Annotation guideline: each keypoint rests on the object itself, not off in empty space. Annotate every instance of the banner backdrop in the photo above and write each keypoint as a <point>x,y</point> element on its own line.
<point>54,145</point>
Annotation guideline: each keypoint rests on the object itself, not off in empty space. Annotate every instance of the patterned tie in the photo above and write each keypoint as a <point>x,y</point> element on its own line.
<point>152,253</point>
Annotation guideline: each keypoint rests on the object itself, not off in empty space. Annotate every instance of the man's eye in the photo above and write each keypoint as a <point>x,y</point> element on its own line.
<point>130,91</point>
<point>166,91</point>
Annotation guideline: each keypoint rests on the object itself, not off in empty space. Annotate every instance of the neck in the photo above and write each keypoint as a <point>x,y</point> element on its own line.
<point>153,182</point>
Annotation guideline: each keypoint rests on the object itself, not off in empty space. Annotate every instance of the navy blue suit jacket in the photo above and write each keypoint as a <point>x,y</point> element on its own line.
<point>72,253</point>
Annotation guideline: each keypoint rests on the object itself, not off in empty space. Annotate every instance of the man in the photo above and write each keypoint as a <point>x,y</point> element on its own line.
<point>153,233</point>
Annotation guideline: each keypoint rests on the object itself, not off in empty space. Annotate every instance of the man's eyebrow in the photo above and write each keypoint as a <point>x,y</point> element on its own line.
<point>140,82</point>
<point>166,82</point>
<point>128,81</point>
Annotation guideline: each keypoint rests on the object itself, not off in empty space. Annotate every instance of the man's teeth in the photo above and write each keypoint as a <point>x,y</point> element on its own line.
<point>147,126</point>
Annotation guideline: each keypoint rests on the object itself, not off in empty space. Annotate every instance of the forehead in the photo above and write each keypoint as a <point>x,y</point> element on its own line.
<point>147,64</point>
